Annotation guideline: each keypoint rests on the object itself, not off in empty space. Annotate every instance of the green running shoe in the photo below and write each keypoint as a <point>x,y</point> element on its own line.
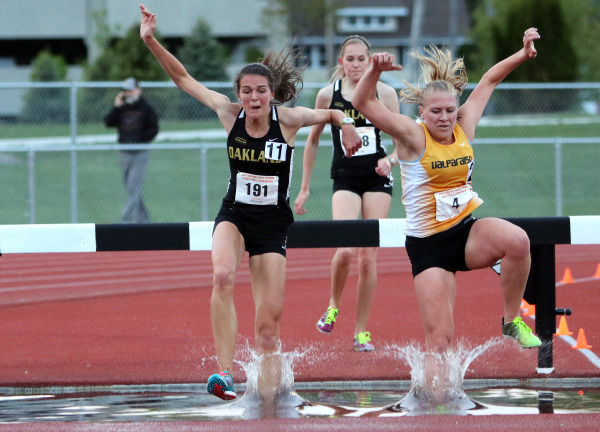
<point>326,322</point>
<point>520,331</point>
<point>362,342</point>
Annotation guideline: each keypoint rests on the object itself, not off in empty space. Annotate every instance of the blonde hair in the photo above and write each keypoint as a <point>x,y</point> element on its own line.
<point>338,70</point>
<point>285,81</point>
<point>439,72</point>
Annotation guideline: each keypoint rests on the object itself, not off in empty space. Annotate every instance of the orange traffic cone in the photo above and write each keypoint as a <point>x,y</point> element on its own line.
<point>530,311</point>
<point>581,341</point>
<point>524,304</point>
<point>597,274</point>
<point>567,277</point>
<point>563,329</point>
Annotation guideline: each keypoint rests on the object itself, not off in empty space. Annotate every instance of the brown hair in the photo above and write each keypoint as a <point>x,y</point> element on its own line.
<point>439,72</point>
<point>285,81</point>
<point>338,71</point>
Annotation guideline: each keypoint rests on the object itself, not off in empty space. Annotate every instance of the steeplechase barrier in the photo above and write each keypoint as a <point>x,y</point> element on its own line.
<point>544,234</point>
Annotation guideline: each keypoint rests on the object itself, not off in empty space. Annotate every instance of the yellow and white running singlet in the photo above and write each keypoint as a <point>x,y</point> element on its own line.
<point>436,189</point>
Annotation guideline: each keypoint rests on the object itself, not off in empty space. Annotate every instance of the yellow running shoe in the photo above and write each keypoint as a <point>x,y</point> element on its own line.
<point>362,342</point>
<point>520,331</point>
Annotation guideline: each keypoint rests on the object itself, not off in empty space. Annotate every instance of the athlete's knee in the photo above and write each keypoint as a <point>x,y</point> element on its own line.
<point>518,246</point>
<point>367,262</point>
<point>344,256</point>
<point>223,277</point>
<point>439,342</point>
<point>267,337</point>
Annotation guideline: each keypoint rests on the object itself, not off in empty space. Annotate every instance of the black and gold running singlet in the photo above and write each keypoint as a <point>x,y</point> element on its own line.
<point>260,168</point>
<point>364,161</point>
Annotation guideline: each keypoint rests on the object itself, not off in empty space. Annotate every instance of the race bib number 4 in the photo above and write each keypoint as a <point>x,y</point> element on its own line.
<point>450,203</point>
<point>256,189</point>
<point>368,144</point>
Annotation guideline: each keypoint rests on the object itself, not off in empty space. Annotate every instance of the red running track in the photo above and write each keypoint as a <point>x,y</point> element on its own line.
<point>143,317</point>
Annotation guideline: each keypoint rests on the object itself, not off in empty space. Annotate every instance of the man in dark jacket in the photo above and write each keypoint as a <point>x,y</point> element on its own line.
<point>137,123</point>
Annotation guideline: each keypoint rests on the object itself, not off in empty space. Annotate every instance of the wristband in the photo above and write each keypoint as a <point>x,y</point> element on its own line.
<point>393,161</point>
<point>347,120</point>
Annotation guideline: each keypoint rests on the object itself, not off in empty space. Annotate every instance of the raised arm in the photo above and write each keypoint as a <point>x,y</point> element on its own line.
<point>310,151</point>
<point>180,76</point>
<point>470,112</point>
<point>404,130</point>
<point>295,118</point>
<point>389,98</point>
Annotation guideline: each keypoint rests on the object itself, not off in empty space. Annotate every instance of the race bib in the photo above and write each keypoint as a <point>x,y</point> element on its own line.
<point>368,138</point>
<point>256,189</point>
<point>450,203</point>
<point>275,151</point>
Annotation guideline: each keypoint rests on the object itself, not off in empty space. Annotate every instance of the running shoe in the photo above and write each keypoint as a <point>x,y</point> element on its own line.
<point>325,324</point>
<point>520,331</point>
<point>221,385</point>
<point>361,342</point>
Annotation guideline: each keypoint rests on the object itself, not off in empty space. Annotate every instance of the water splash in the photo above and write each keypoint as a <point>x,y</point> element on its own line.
<point>437,378</point>
<point>270,389</point>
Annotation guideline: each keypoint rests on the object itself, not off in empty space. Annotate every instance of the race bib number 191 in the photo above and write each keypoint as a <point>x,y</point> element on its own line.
<point>256,189</point>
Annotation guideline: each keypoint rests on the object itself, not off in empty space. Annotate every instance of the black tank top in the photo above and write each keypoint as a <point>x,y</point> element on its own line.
<point>260,168</point>
<point>365,160</point>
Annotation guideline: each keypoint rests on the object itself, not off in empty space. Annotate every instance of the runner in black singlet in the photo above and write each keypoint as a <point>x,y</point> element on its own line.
<point>255,214</point>
<point>362,184</point>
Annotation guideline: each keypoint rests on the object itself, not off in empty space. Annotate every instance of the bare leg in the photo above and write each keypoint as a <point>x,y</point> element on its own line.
<point>491,239</point>
<point>375,205</point>
<point>227,252</point>
<point>344,205</point>
<point>436,294</point>
<point>268,287</point>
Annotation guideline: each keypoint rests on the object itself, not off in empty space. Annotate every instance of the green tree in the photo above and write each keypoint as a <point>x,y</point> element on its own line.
<point>45,105</point>
<point>125,57</point>
<point>497,32</point>
<point>204,58</point>
<point>202,55</point>
<point>119,59</point>
<point>584,18</point>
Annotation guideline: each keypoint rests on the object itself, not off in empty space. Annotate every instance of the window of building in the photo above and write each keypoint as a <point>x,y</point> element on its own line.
<point>372,19</point>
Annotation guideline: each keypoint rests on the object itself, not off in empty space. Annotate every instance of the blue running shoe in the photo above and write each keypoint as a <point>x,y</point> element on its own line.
<point>221,385</point>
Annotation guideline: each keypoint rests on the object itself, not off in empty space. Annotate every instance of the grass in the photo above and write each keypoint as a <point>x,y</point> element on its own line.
<point>513,180</point>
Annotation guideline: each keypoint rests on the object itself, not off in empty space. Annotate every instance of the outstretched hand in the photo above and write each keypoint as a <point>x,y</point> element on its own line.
<point>351,140</point>
<point>384,62</point>
<point>529,36</point>
<point>148,25</point>
<point>300,201</point>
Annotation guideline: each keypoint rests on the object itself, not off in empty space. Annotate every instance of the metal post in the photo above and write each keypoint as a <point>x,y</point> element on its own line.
<point>540,291</point>
<point>559,177</point>
<point>73,122</point>
<point>31,184</point>
<point>203,182</point>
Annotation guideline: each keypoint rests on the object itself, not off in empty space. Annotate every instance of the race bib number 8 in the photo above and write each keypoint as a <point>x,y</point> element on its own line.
<point>368,144</point>
<point>256,189</point>
<point>451,203</point>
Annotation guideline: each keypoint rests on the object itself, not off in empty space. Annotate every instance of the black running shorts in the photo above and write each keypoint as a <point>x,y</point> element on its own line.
<point>364,183</point>
<point>445,249</point>
<point>263,232</point>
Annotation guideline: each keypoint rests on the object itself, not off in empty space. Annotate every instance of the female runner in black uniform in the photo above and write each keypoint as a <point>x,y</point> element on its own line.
<point>255,214</point>
<point>362,184</point>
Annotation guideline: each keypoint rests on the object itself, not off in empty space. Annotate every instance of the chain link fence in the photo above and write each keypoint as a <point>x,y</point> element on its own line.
<point>536,153</point>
